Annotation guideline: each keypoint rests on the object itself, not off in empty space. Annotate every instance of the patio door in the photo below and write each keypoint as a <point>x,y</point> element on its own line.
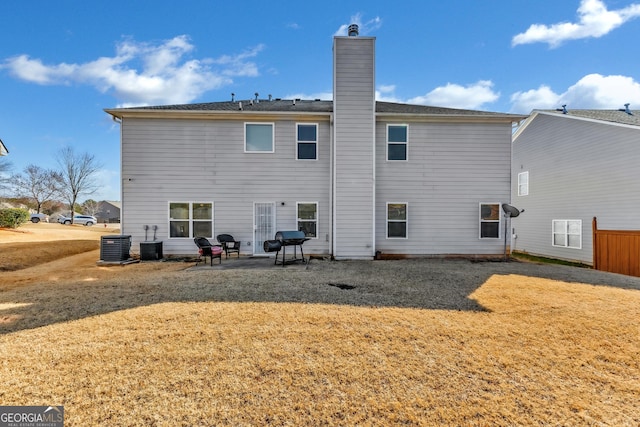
<point>264,225</point>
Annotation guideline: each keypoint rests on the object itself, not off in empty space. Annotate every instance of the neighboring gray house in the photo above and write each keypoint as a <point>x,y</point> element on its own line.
<point>358,176</point>
<point>568,167</point>
<point>108,211</point>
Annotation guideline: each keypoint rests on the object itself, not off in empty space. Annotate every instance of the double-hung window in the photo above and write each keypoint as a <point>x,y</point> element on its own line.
<point>308,218</point>
<point>397,141</point>
<point>190,219</point>
<point>307,141</point>
<point>567,233</point>
<point>523,183</point>
<point>396,220</point>
<point>258,138</point>
<point>489,220</point>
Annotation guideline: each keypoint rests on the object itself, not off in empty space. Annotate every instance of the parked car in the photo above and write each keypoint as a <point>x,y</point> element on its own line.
<point>37,217</point>
<point>78,219</point>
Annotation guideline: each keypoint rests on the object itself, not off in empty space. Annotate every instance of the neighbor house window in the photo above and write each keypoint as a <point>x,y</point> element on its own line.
<point>308,218</point>
<point>307,141</point>
<point>190,219</point>
<point>258,137</point>
<point>567,233</point>
<point>523,183</point>
<point>397,137</point>
<point>396,220</point>
<point>489,221</point>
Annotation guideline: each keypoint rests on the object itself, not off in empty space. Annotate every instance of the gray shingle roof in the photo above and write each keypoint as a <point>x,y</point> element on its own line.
<point>313,106</point>
<point>614,116</point>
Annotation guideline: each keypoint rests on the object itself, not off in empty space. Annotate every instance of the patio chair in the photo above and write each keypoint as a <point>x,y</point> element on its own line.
<point>206,249</point>
<point>229,244</point>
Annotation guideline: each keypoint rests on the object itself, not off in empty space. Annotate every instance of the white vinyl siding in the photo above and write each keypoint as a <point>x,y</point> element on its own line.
<point>566,233</point>
<point>578,169</point>
<point>397,142</point>
<point>204,160</point>
<point>354,148</point>
<point>258,138</point>
<point>523,183</point>
<point>453,168</point>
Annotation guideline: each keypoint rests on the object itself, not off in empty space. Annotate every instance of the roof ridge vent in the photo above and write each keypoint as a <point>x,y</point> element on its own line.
<point>563,109</point>
<point>257,99</point>
<point>626,109</point>
<point>233,96</point>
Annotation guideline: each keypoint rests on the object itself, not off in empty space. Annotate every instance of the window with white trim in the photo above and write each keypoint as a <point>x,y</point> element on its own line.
<point>567,233</point>
<point>523,183</point>
<point>308,218</point>
<point>190,219</point>
<point>397,220</point>
<point>258,138</point>
<point>489,220</point>
<point>397,141</point>
<point>307,141</point>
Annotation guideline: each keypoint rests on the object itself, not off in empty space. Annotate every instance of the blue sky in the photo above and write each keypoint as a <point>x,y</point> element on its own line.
<point>63,62</point>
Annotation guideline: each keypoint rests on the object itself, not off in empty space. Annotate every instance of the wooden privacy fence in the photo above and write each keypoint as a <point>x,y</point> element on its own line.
<point>616,251</point>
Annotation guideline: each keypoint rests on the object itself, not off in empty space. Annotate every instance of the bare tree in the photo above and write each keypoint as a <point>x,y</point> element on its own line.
<point>78,175</point>
<point>91,207</point>
<point>5,168</point>
<point>38,184</point>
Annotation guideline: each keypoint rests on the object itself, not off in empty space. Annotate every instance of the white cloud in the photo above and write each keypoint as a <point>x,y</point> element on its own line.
<point>144,73</point>
<point>325,96</point>
<point>593,91</point>
<point>594,20</point>
<point>364,28</point>
<point>453,95</point>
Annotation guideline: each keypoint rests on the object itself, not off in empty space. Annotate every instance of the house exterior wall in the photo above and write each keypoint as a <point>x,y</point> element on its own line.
<point>578,169</point>
<point>354,143</point>
<point>451,169</point>
<point>204,161</point>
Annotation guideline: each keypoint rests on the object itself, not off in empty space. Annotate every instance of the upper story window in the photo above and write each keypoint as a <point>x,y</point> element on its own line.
<point>307,141</point>
<point>489,220</point>
<point>567,233</point>
<point>308,218</point>
<point>523,183</point>
<point>396,220</point>
<point>397,141</point>
<point>258,138</point>
<point>190,219</point>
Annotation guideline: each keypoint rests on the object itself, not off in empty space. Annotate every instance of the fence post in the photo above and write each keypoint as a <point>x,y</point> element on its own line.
<point>594,232</point>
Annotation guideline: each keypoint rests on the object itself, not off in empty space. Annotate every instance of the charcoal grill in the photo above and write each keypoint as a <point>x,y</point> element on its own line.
<point>281,241</point>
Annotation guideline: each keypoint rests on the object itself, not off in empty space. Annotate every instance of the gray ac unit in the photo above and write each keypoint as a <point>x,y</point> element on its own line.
<point>115,248</point>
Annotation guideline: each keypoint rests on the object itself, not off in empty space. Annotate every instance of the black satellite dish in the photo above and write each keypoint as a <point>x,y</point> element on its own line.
<point>511,210</point>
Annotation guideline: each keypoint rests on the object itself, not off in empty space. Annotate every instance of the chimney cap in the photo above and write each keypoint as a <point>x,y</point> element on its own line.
<point>353,30</point>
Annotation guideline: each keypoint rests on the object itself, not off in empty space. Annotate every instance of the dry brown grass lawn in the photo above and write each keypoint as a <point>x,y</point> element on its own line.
<point>160,344</point>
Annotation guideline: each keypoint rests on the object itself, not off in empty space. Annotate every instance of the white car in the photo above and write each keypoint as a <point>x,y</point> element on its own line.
<point>87,220</point>
<point>37,217</point>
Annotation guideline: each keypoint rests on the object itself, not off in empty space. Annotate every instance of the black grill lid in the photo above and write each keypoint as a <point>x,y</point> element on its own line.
<point>290,235</point>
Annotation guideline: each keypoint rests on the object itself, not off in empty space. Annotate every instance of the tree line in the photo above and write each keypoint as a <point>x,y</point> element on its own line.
<point>75,177</point>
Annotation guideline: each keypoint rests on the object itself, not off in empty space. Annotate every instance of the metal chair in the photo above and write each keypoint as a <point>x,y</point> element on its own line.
<point>206,249</point>
<point>229,244</point>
